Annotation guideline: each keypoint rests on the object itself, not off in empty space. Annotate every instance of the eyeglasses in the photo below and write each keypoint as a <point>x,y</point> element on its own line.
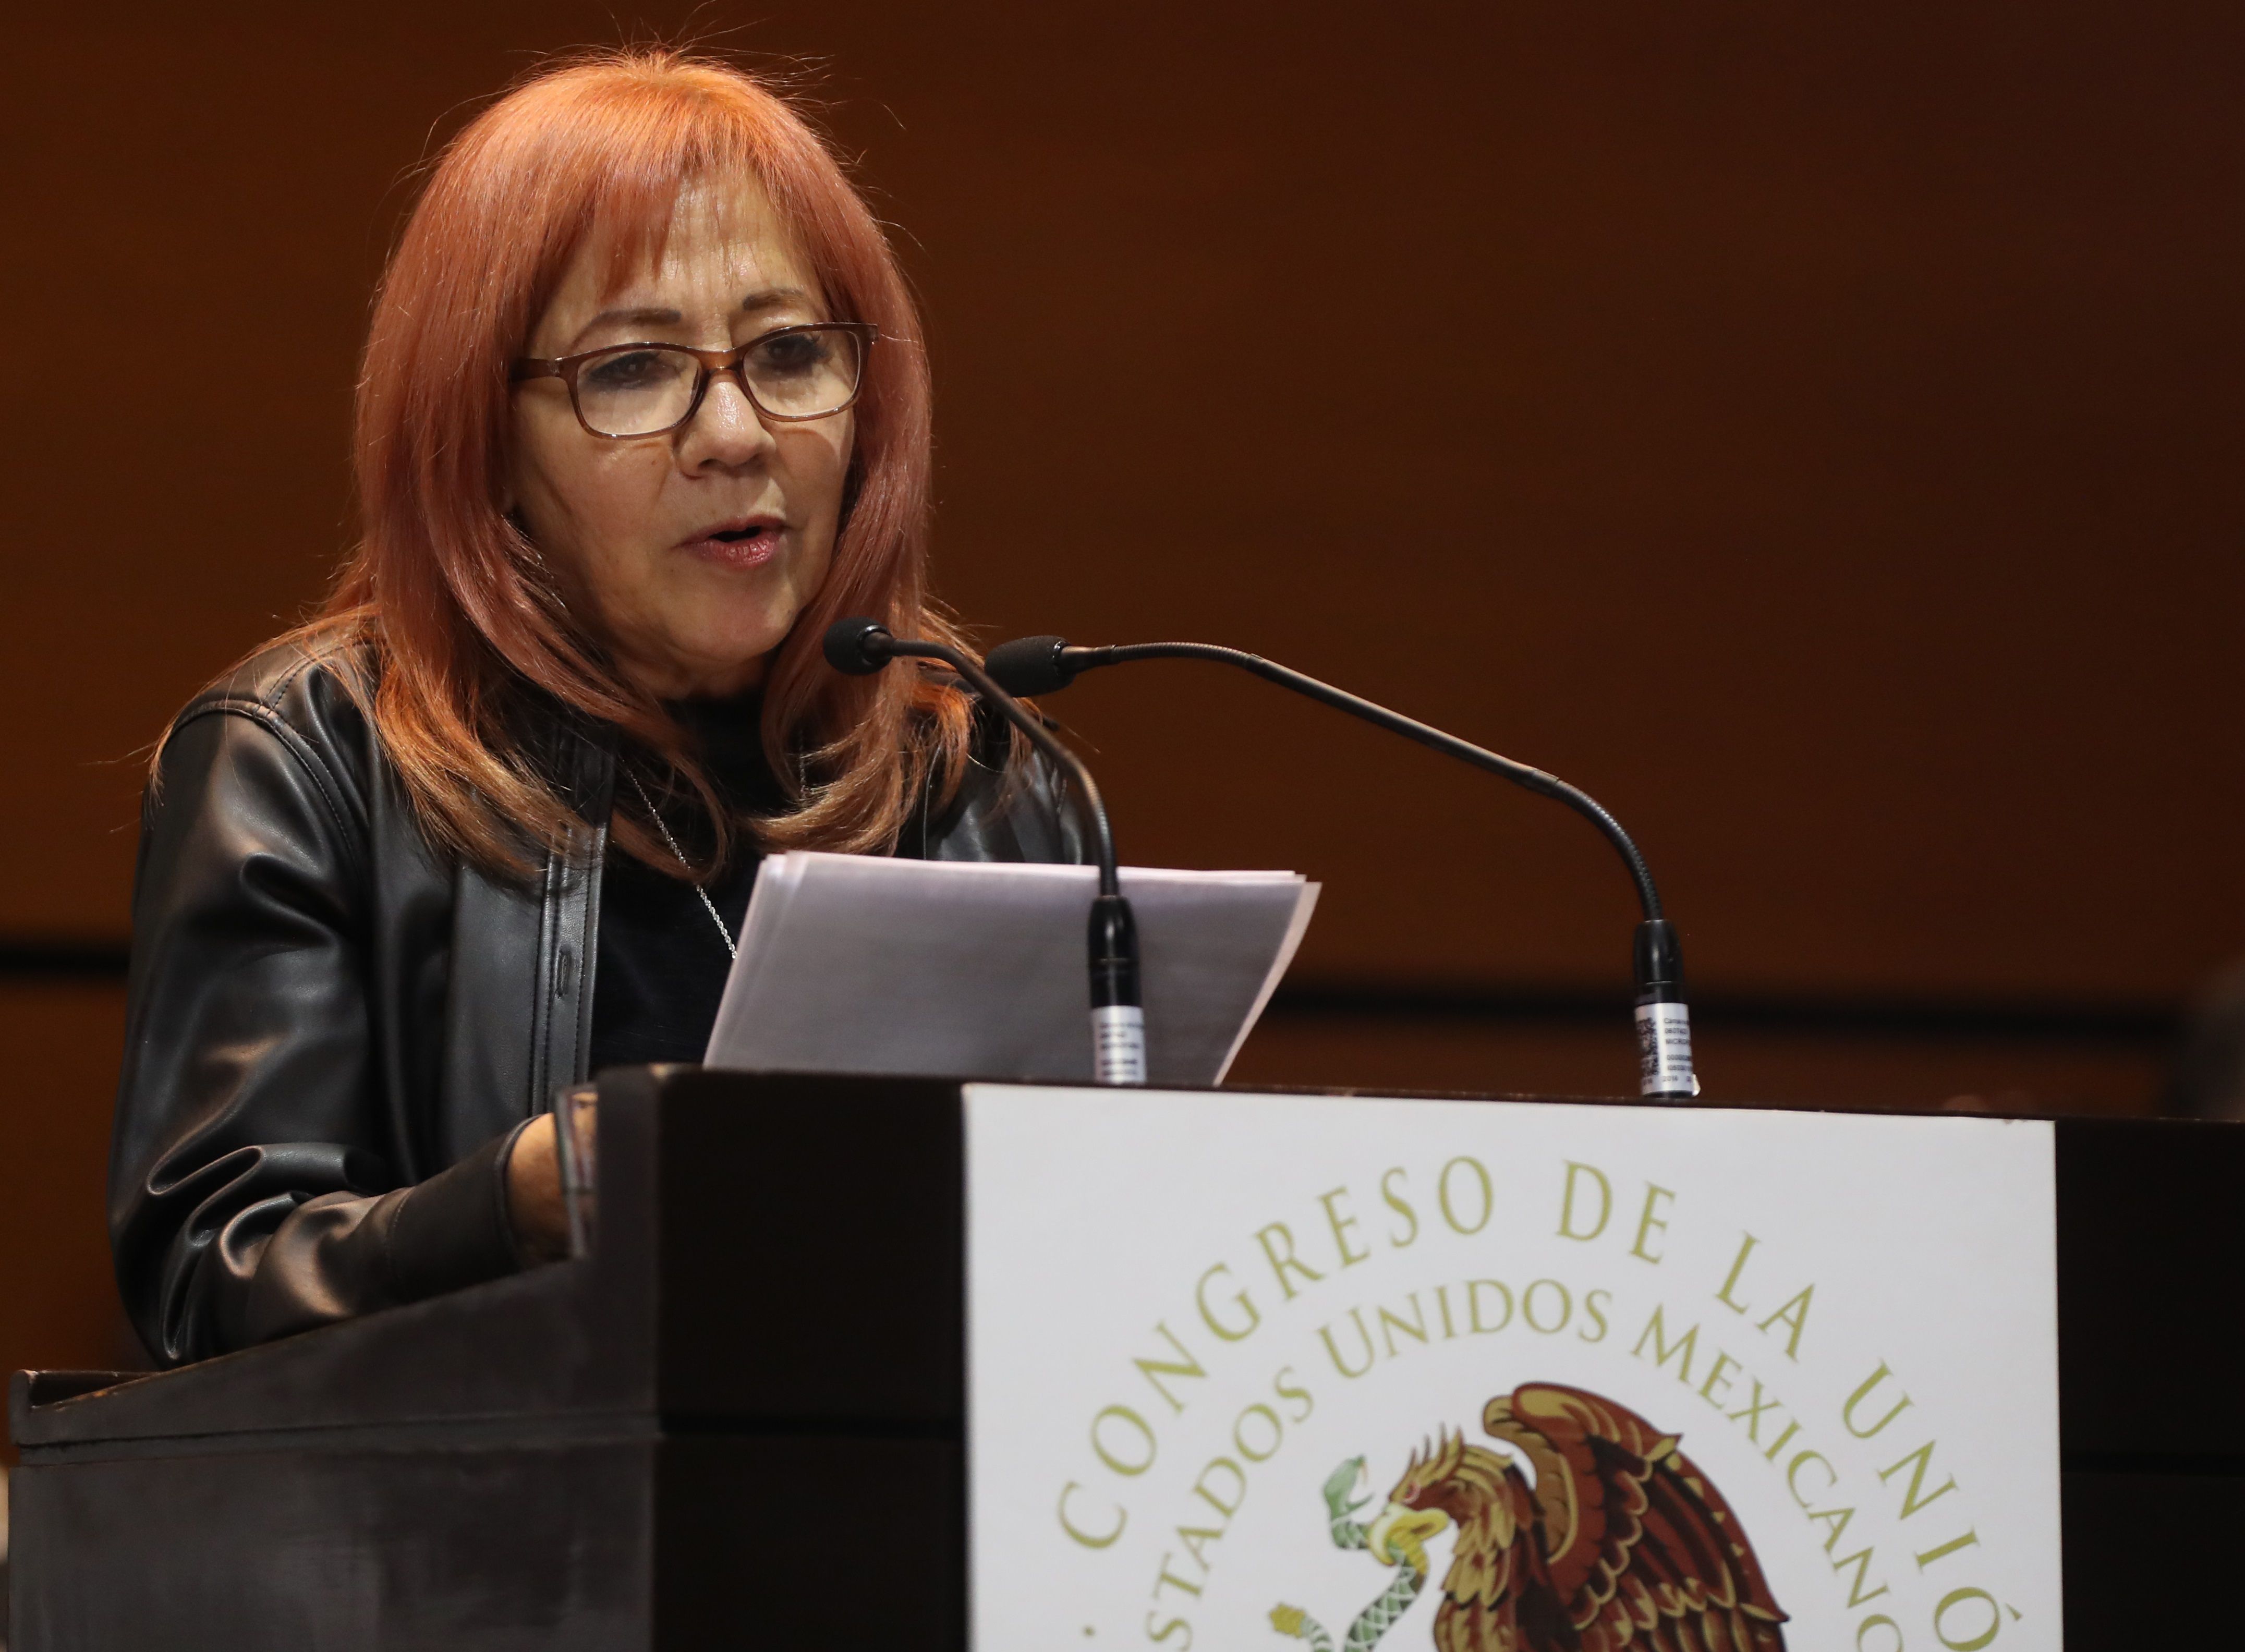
<point>790,374</point>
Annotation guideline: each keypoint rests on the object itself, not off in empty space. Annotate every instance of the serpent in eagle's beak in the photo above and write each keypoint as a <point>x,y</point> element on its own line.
<point>1400,1534</point>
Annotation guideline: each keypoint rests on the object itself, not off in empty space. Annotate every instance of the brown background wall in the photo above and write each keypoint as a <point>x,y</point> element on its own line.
<point>1813,430</point>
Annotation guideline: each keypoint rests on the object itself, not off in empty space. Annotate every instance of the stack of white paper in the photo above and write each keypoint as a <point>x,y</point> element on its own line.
<point>860,964</point>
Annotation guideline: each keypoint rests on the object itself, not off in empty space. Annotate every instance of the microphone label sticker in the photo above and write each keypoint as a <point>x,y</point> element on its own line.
<point>1664,1051</point>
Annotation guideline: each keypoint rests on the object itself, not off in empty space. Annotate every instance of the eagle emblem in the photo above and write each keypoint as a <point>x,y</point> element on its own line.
<point>1620,1544</point>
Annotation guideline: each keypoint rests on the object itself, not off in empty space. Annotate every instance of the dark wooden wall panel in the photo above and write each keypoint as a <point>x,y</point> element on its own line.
<point>57,1295</point>
<point>1433,1052</point>
<point>1814,430</point>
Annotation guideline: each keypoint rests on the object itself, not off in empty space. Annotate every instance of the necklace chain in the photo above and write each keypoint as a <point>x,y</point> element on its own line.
<point>708,906</point>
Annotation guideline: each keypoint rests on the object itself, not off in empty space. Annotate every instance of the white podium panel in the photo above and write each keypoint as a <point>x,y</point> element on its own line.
<point>1247,1371</point>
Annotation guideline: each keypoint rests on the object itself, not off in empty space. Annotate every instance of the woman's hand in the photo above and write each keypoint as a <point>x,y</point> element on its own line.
<point>533,1193</point>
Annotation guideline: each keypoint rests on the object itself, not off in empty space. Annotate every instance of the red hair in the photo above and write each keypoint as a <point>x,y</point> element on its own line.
<point>465,622</point>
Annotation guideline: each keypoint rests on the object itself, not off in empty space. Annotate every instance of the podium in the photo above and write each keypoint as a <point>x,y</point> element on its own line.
<point>743,1418</point>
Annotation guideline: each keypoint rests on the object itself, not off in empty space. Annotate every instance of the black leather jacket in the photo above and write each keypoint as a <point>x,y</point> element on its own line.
<point>333,1031</point>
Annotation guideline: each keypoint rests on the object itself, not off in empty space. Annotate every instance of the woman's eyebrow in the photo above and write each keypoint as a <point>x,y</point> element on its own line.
<point>642,316</point>
<point>638,317</point>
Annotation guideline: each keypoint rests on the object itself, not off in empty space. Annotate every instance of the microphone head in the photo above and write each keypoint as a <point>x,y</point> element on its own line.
<point>858,646</point>
<point>1029,666</point>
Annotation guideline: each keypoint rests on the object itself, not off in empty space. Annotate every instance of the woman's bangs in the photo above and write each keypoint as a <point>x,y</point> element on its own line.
<point>681,151</point>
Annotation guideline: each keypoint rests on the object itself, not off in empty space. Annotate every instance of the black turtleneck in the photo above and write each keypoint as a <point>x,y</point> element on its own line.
<point>662,964</point>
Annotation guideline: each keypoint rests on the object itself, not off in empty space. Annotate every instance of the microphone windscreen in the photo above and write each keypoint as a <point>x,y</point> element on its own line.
<point>853,645</point>
<point>1029,665</point>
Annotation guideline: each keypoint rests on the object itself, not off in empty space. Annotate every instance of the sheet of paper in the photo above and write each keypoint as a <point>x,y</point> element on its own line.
<point>860,964</point>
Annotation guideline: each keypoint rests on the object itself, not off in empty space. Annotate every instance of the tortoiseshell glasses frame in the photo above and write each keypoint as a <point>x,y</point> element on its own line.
<point>648,406</point>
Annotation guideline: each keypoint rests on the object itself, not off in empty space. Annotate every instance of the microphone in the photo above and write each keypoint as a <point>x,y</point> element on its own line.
<point>1047,665</point>
<point>859,647</point>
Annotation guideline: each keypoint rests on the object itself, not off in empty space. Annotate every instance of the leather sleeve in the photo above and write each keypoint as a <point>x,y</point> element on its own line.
<point>253,1180</point>
<point>339,1255</point>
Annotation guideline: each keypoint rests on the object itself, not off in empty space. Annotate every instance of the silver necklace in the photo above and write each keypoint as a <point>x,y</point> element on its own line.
<point>708,906</point>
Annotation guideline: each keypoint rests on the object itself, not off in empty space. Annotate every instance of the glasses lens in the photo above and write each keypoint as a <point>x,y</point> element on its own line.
<point>804,372</point>
<point>636,391</point>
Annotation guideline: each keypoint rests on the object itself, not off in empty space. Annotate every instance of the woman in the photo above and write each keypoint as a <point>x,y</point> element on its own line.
<point>643,411</point>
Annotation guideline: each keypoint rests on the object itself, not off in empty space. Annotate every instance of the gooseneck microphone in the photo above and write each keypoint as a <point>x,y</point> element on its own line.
<point>1046,665</point>
<point>859,647</point>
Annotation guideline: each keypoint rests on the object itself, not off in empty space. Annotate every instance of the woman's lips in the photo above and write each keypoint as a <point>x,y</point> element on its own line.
<point>736,546</point>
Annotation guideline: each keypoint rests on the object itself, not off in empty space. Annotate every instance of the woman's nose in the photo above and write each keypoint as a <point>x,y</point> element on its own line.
<point>725,432</point>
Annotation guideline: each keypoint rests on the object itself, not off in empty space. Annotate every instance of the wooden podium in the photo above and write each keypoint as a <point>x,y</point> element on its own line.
<point>741,1419</point>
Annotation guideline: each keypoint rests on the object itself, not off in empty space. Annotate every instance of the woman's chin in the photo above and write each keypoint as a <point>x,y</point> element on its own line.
<point>698,662</point>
